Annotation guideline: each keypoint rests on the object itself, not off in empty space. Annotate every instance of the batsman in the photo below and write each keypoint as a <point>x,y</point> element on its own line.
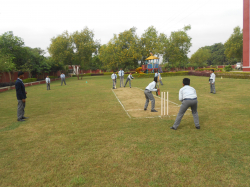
<point>149,96</point>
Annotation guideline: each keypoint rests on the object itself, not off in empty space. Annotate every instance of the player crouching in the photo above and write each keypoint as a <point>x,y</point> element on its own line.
<point>149,96</point>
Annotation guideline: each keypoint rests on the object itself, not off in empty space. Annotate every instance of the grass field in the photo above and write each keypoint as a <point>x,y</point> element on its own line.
<point>79,135</point>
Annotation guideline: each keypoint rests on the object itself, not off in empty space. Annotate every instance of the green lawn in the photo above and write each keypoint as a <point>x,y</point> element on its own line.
<point>79,135</point>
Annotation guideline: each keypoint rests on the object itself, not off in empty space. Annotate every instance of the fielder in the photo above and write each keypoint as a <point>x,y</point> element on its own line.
<point>130,77</point>
<point>48,82</point>
<point>212,82</point>
<point>188,97</point>
<point>157,74</point>
<point>149,96</point>
<point>62,79</point>
<point>113,77</point>
<point>121,75</point>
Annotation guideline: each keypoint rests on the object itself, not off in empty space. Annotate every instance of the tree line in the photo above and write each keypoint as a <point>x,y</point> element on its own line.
<point>125,50</point>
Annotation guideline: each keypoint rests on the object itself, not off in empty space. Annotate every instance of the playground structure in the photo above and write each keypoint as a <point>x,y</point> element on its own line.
<point>151,65</point>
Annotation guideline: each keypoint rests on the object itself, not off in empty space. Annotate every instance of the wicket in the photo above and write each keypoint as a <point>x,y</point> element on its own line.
<point>163,103</point>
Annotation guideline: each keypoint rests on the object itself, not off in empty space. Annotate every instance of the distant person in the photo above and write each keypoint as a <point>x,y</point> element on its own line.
<point>188,97</point>
<point>48,82</point>
<point>62,79</point>
<point>149,96</point>
<point>157,74</point>
<point>129,78</point>
<point>21,97</point>
<point>212,82</point>
<point>113,77</point>
<point>121,75</point>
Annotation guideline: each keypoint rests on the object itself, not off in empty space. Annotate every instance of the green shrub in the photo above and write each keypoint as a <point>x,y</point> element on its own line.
<point>228,68</point>
<point>233,75</point>
<point>208,69</point>
<point>108,73</point>
<point>29,80</point>
<point>53,77</point>
<point>167,74</point>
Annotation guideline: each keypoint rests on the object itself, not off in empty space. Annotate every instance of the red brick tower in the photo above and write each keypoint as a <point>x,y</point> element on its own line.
<point>246,35</point>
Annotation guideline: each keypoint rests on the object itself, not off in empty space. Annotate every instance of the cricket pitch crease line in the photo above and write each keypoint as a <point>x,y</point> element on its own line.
<point>121,104</point>
<point>165,100</point>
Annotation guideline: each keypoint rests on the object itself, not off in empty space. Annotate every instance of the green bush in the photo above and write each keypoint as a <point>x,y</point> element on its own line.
<point>233,75</point>
<point>85,74</point>
<point>228,68</point>
<point>208,69</point>
<point>53,77</point>
<point>108,73</point>
<point>167,74</point>
<point>29,80</point>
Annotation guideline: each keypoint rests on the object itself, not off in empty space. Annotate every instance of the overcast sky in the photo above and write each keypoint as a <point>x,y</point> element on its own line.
<point>36,22</point>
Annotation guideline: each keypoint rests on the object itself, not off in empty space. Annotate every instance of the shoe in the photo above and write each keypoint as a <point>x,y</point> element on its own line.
<point>20,120</point>
<point>145,109</point>
<point>214,93</point>
<point>211,92</point>
<point>154,110</point>
<point>198,127</point>
<point>173,128</point>
<point>130,87</point>
<point>25,117</point>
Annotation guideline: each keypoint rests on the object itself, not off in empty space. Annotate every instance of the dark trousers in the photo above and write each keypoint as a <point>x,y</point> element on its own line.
<point>20,109</point>
<point>48,86</point>
<point>149,96</point>
<point>184,106</point>
<point>127,82</point>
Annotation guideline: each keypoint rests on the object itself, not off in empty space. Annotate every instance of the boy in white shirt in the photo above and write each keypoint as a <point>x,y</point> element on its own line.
<point>212,81</point>
<point>130,77</point>
<point>48,82</point>
<point>157,74</point>
<point>113,77</point>
<point>121,75</point>
<point>149,96</point>
<point>188,97</point>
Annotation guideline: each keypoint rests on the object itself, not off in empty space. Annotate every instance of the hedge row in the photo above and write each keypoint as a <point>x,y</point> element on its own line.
<point>234,75</point>
<point>168,74</point>
<point>29,80</point>
<point>208,69</point>
<point>53,77</point>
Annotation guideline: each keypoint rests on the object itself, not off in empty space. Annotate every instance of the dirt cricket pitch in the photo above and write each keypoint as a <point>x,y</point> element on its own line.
<point>133,101</point>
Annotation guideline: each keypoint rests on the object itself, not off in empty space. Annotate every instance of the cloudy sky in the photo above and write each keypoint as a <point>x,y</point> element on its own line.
<point>36,22</point>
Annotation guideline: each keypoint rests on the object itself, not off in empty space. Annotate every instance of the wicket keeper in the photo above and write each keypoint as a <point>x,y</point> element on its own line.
<point>188,97</point>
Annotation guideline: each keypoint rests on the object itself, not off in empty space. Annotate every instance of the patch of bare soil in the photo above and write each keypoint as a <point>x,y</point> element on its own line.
<point>133,100</point>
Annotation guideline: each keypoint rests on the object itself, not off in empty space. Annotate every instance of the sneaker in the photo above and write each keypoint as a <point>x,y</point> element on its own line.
<point>198,127</point>
<point>20,120</point>
<point>25,117</point>
<point>154,110</point>
<point>145,109</point>
<point>173,128</point>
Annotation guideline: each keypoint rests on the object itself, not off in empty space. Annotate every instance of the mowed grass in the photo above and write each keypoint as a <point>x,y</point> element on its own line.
<point>79,135</point>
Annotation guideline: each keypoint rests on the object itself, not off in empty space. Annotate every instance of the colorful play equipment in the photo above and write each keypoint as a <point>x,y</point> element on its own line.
<point>152,65</point>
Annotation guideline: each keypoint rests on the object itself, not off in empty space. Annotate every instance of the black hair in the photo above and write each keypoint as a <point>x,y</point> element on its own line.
<point>212,70</point>
<point>20,73</point>
<point>155,79</point>
<point>186,81</point>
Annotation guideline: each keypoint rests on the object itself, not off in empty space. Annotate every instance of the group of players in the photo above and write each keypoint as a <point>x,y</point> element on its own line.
<point>187,95</point>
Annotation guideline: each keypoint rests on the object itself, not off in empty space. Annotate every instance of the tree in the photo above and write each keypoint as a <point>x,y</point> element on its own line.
<point>84,47</point>
<point>121,51</point>
<point>178,47</point>
<point>12,47</point>
<point>6,64</point>
<point>234,45</point>
<point>200,57</point>
<point>149,43</point>
<point>61,49</point>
